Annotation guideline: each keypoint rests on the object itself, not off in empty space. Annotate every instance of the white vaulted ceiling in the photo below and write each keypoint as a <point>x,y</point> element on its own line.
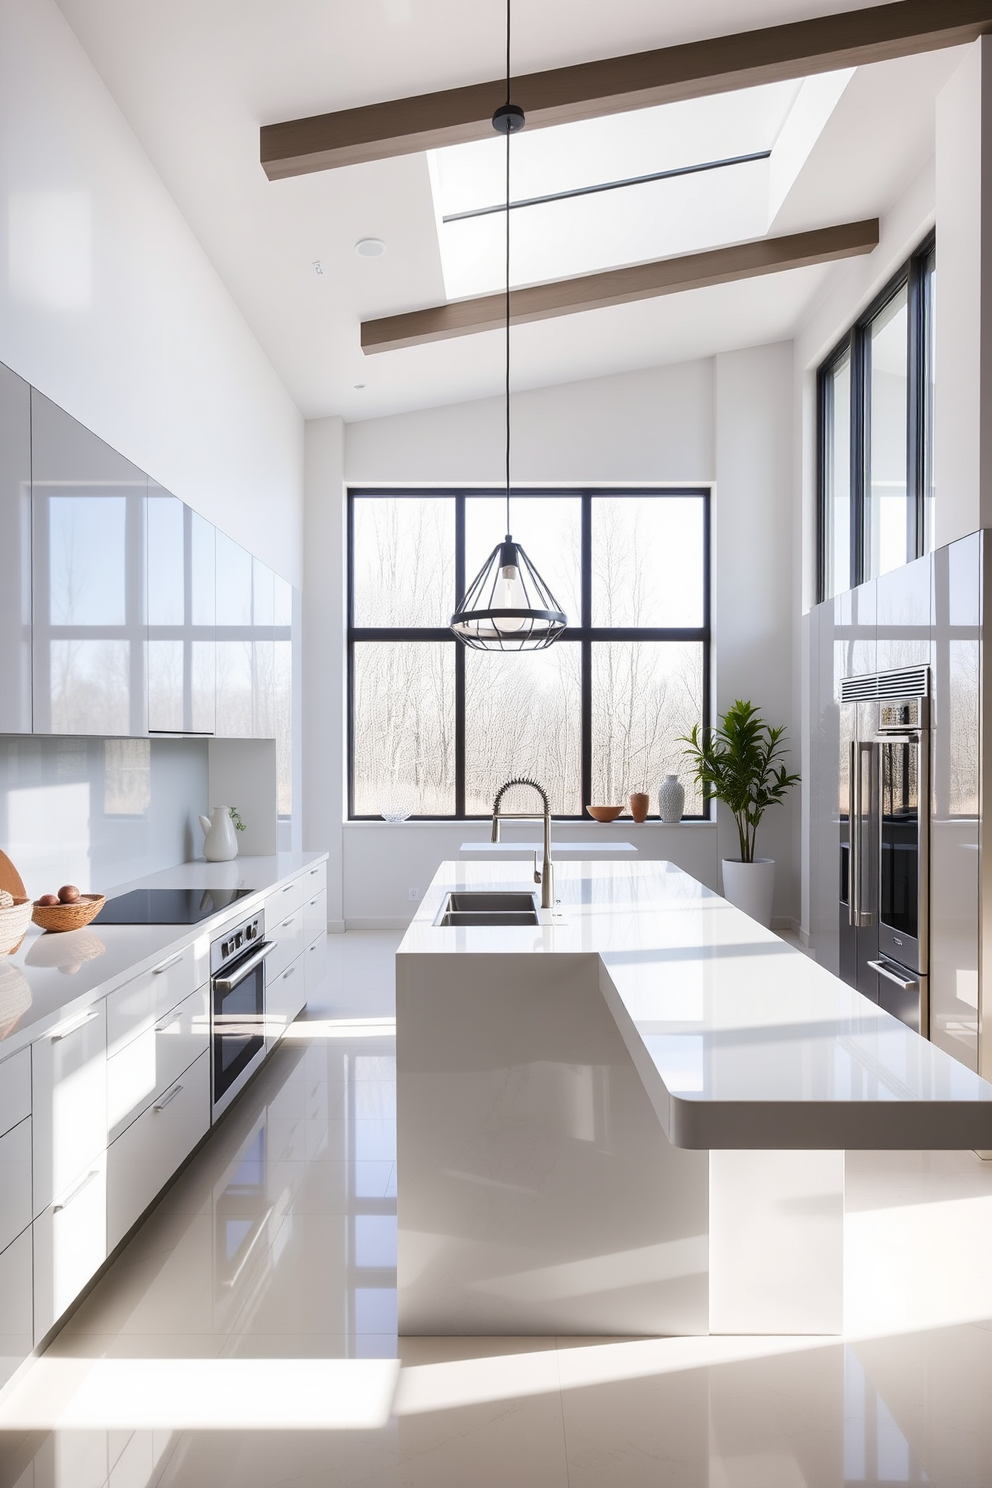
<point>196,79</point>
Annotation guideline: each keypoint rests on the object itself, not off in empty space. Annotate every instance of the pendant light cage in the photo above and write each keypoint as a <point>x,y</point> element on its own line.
<point>508,606</point>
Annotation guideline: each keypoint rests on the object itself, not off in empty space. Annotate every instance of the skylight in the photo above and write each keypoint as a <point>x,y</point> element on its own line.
<point>717,170</point>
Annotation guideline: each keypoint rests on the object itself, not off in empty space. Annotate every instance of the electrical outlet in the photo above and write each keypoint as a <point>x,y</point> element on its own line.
<point>413,893</point>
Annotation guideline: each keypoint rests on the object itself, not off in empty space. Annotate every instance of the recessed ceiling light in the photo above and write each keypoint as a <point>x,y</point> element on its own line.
<point>359,385</point>
<point>370,247</point>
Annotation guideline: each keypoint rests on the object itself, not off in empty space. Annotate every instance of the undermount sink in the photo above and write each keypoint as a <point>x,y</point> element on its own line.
<point>488,907</point>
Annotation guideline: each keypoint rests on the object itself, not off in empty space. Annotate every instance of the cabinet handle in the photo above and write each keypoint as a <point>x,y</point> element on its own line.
<point>164,965</point>
<point>161,1105</point>
<point>286,923</point>
<point>70,1025</point>
<point>74,1193</point>
<point>287,888</point>
<point>886,971</point>
<point>290,971</point>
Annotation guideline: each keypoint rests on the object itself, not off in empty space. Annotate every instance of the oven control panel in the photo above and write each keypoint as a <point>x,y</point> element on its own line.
<point>234,943</point>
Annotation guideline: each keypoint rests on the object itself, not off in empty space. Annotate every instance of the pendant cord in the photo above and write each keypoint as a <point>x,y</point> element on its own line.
<point>507,393</point>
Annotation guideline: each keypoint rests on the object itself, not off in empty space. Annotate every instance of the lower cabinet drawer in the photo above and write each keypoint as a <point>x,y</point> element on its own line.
<point>314,916</point>
<point>289,940</point>
<point>316,962</point>
<point>144,1158</point>
<point>15,1182</point>
<point>70,1244</point>
<point>134,1007</point>
<point>15,1089</point>
<point>146,1067</point>
<point>284,998</point>
<point>16,1323</point>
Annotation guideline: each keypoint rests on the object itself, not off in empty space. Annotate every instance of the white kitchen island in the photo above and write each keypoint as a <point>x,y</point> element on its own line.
<point>633,1119</point>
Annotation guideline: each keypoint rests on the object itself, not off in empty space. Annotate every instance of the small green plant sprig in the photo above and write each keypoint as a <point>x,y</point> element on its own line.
<point>239,825</point>
<point>738,762</point>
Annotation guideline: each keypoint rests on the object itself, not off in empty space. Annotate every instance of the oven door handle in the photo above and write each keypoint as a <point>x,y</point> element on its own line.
<point>228,984</point>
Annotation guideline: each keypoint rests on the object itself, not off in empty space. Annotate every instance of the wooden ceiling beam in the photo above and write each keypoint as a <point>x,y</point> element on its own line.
<point>589,90</point>
<point>620,286</point>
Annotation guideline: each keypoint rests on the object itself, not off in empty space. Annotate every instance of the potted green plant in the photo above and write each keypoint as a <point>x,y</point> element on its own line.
<point>740,763</point>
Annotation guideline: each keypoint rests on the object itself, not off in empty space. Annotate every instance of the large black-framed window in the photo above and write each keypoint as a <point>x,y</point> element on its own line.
<point>434,727</point>
<point>875,395</point>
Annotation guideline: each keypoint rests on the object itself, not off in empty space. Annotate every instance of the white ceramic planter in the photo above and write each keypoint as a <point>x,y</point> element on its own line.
<point>750,887</point>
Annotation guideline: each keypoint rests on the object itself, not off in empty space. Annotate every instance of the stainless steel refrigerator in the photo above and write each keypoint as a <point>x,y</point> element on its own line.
<point>884,846</point>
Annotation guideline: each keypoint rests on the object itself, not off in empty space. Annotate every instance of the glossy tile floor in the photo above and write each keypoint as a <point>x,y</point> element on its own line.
<point>246,1336</point>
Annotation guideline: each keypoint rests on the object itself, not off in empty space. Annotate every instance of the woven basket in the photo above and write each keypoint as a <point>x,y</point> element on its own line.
<point>14,920</point>
<point>69,916</point>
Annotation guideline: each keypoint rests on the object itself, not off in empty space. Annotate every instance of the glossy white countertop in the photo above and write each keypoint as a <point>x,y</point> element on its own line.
<point>741,1041</point>
<point>54,975</point>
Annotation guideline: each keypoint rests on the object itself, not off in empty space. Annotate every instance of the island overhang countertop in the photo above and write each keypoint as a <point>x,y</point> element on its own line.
<point>741,1041</point>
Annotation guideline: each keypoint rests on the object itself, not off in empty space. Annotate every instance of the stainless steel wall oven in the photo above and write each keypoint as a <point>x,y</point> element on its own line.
<point>884,848</point>
<point>237,1008</point>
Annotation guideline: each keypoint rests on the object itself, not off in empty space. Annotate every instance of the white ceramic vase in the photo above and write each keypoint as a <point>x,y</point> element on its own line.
<point>750,887</point>
<point>220,842</point>
<point>671,800</point>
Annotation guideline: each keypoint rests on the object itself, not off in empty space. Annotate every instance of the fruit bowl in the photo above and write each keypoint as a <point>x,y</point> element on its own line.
<point>604,814</point>
<point>69,916</point>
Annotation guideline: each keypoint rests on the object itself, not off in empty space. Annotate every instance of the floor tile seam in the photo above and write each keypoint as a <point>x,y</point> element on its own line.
<point>561,1410</point>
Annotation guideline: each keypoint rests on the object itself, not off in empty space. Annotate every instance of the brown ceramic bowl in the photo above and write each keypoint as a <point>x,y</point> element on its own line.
<point>604,813</point>
<point>69,916</point>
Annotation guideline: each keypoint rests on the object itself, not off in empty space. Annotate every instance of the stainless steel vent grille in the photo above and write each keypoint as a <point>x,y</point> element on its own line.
<point>909,682</point>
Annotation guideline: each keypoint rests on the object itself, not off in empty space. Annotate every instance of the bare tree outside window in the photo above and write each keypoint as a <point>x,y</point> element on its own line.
<point>436,727</point>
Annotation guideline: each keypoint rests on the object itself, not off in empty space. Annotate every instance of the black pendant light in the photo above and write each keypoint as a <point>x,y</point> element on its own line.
<point>508,606</point>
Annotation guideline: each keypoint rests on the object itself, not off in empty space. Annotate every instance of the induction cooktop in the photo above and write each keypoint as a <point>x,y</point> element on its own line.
<point>167,906</point>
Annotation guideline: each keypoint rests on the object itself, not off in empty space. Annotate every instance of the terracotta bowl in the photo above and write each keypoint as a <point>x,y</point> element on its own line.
<point>604,813</point>
<point>69,916</point>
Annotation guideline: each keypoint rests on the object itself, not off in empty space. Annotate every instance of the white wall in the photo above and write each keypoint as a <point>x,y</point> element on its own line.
<point>726,422</point>
<point>755,594</point>
<point>963,413</point>
<point>110,307</point>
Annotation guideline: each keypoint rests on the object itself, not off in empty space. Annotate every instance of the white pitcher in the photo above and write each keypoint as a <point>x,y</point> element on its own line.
<point>220,842</point>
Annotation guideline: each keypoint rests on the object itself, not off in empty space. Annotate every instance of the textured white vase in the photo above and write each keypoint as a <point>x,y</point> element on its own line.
<point>750,887</point>
<point>671,799</point>
<point>220,842</point>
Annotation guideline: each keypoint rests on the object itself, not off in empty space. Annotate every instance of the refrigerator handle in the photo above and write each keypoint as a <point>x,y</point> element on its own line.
<point>854,832</point>
<point>859,914</point>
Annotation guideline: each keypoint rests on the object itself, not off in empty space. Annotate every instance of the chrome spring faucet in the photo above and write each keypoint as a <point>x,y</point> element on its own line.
<point>546,877</point>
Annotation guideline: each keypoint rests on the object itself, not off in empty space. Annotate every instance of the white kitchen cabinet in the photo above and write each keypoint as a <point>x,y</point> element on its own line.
<point>15,1181</point>
<point>88,580</point>
<point>143,1159</point>
<point>263,651</point>
<point>16,1321</point>
<point>145,1068</point>
<point>282,683</point>
<point>15,1089</point>
<point>70,1243</point>
<point>15,554</point>
<point>69,1076</point>
<point>234,640</point>
<point>314,916</point>
<point>285,999</point>
<point>315,963</point>
<point>134,1008</point>
<point>181,583</point>
<point>289,939</point>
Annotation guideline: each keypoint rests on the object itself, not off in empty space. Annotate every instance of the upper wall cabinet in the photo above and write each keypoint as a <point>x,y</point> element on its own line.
<point>234,640</point>
<point>181,585</point>
<point>15,554</point>
<point>89,580</point>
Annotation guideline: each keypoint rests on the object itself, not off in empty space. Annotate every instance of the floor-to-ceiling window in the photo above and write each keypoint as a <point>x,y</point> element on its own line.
<point>875,427</point>
<point>435,728</point>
